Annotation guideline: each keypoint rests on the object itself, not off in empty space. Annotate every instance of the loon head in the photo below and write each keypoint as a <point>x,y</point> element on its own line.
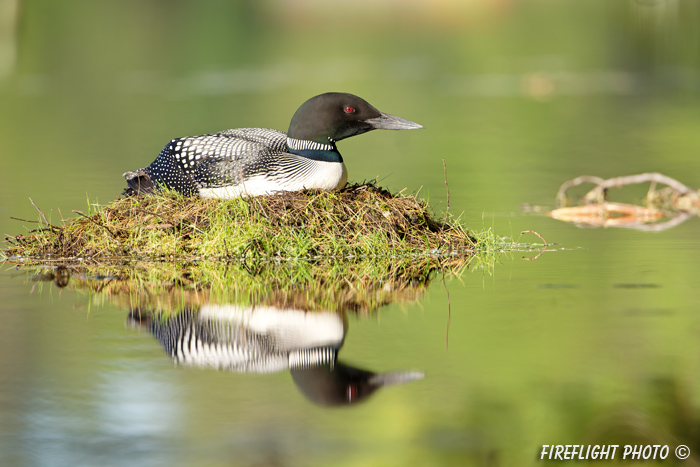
<point>336,115</point>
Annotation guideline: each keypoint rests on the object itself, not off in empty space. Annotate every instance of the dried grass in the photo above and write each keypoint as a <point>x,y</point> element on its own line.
<point>360,221</point>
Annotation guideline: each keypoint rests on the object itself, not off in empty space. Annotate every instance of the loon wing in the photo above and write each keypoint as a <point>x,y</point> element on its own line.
<point>214,160</point>
<point>229,157</point>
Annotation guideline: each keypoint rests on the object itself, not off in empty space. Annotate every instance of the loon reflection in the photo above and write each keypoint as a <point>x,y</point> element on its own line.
<point>268,339</point>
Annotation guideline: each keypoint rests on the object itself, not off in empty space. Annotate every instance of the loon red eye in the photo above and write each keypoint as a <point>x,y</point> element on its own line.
<point>352,391</point>
<point>349,110</point>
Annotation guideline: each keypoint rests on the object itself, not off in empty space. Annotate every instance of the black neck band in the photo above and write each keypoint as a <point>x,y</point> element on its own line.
<point>318,155</point>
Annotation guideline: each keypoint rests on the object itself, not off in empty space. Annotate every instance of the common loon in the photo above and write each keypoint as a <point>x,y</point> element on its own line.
<point>257,161</point>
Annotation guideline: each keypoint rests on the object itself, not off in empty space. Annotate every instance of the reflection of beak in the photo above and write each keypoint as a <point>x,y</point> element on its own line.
<point>397,377</point>
<point>391,122</point>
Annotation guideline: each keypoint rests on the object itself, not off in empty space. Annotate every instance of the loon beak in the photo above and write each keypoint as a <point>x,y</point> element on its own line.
<point>391,122</point>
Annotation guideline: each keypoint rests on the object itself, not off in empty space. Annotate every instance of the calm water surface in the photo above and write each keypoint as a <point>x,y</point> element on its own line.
<point>594,342</point>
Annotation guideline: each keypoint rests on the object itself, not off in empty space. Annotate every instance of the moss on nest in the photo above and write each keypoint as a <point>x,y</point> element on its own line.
<point>360,221</point>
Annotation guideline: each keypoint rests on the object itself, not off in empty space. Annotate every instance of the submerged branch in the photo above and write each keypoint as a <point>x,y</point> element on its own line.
<point>663,208</point>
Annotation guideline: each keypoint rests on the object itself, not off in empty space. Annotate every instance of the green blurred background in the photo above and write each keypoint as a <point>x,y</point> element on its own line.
<point>594,344</point>
<point>89,90</point>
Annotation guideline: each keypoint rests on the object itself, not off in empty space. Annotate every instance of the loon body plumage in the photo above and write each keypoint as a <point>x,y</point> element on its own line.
<point>257,161</point>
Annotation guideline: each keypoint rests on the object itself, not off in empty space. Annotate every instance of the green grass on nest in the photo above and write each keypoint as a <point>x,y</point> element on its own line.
<point>359,221</point>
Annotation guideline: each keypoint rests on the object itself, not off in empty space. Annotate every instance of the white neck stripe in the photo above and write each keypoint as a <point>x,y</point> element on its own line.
<point>303,144</point>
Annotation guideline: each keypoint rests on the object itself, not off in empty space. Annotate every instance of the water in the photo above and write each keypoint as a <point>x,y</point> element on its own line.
<point>567,348</point>
<point>593,342</point>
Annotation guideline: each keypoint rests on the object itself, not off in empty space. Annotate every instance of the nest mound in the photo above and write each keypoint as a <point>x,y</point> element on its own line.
<point>359,221</point>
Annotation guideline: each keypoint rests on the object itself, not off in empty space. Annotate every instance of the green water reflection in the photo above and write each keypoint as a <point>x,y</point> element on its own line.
<point>594,344</point>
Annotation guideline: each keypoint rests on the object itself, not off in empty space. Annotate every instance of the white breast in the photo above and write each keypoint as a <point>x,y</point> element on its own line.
<point>306,174</point>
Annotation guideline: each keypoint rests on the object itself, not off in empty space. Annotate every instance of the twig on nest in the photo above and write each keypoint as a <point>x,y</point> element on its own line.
<point>46,222</point>
<point>447,187</point>
<point>96,223</point>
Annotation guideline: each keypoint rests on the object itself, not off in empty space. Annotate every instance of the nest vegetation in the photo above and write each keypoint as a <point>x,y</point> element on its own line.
<point>359,221</point>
